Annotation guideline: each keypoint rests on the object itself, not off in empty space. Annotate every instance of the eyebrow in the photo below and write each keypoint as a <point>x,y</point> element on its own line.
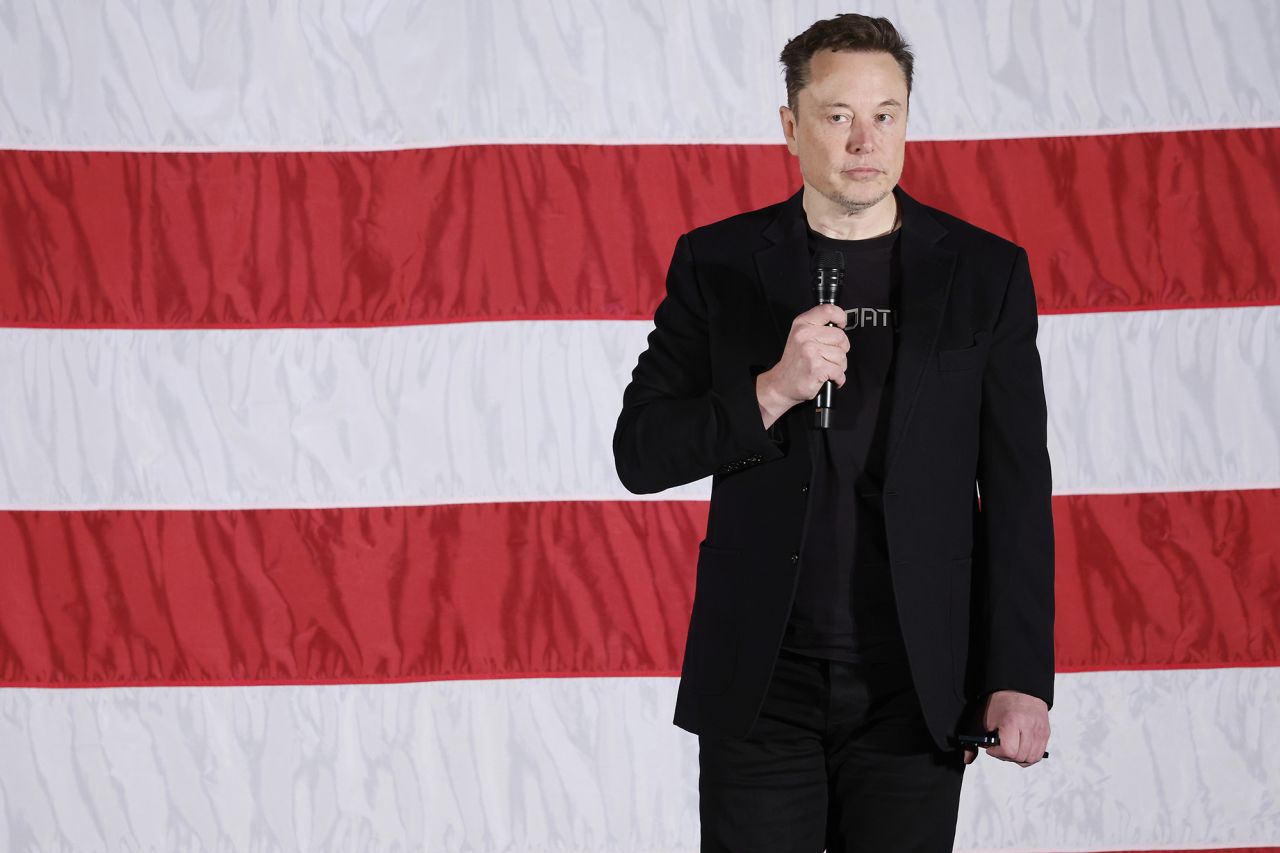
<point>889,103</point>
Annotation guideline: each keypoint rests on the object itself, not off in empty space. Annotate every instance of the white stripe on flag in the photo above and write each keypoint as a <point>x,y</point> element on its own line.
<point>1139,401</point>
<point>299,76</point>
<point>1139,760</point>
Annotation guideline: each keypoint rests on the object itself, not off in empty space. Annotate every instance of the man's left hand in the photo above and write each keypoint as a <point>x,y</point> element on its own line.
<point>1023,723</point>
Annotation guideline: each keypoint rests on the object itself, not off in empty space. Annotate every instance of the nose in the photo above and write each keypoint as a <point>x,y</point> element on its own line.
<point>859,141</point>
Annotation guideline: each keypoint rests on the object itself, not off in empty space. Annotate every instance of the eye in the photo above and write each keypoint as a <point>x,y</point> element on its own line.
<point>839,115</point>
<point>885,115</point>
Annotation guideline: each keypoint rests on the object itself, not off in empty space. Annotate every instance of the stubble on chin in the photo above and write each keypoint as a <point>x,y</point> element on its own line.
<point>853,205</point>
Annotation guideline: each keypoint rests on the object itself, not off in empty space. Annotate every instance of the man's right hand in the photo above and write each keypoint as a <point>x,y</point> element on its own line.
<point>814,353</point>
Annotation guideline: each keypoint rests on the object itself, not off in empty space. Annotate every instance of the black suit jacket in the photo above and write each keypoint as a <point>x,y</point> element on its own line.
<point>973,580</point>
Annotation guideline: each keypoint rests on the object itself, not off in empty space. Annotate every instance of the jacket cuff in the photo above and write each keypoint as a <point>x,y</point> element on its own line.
<point>1041,691</point>
<point>746,429</point>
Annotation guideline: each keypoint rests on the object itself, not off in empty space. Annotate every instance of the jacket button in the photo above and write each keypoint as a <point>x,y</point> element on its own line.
<point>795,558</point>
<point>804,489</point>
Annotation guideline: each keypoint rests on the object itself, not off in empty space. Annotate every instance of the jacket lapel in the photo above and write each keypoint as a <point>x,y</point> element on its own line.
<point>783,267</point>
<point>926,280</point>
<point>784,275</point>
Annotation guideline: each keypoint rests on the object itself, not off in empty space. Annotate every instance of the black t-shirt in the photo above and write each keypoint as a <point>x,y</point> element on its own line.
<point>844,605</point>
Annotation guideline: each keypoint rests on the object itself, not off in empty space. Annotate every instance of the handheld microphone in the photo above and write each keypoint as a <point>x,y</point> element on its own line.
<point>829,276</point>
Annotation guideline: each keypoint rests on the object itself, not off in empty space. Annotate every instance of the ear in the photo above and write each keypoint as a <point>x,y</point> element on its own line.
<point>788,120</point>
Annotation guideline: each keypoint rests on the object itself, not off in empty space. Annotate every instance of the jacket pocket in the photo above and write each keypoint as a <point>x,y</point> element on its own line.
<point>964,358</point>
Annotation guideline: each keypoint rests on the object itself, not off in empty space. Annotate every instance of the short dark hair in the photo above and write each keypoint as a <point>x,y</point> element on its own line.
<point>849,31</point>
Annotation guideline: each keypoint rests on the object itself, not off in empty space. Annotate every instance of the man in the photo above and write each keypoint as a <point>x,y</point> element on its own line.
<point>869,590</point>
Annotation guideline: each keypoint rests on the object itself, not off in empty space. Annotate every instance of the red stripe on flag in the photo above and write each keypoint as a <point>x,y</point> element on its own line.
<point>1179,578</point>
<point>540,589</point>
<point>579,231</point>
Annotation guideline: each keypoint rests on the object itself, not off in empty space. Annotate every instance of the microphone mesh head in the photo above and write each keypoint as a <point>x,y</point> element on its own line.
<point>832,260</point>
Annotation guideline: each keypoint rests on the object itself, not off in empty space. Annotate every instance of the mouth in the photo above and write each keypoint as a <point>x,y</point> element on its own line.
<point>862,172</point>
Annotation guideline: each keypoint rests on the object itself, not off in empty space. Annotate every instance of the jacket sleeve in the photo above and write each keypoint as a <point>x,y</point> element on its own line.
<point>682,421</point>
<point>1015,488</point>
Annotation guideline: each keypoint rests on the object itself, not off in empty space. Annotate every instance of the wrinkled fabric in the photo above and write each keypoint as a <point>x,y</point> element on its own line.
<point>1138,401</point>
<point>581,232</point>
<point>326,75</point>
<point>583,764</point>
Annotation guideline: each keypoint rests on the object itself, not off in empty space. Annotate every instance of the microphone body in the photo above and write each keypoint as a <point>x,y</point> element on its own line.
<point>828,279</point>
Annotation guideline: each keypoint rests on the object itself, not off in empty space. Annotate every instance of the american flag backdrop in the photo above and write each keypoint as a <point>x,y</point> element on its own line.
<point>316,318</point>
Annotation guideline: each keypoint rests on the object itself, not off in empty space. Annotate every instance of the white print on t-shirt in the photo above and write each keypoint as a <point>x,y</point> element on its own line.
<point>859,317</point>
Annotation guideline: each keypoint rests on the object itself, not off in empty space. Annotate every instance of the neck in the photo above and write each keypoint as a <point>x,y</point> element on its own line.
<point>828,218</point>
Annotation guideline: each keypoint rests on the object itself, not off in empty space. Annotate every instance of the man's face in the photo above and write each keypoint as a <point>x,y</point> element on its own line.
<point>849,129</point>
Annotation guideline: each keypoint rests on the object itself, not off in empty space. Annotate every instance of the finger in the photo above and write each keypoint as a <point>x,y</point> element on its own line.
<point>1026,743</point>
<point>826,342</point>
<point>1038,750</point>
<point>828,336</point>
<point>1010,742</point>
<point>835,314</point>
<point>1034,740</point>
<point>824,332</point>
<point>970,755</point>
<point>824,368</point>
<point>834,355</point>
<point>821,315</point>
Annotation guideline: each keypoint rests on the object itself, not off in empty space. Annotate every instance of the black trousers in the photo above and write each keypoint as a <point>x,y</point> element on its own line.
<point>839,759</point>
